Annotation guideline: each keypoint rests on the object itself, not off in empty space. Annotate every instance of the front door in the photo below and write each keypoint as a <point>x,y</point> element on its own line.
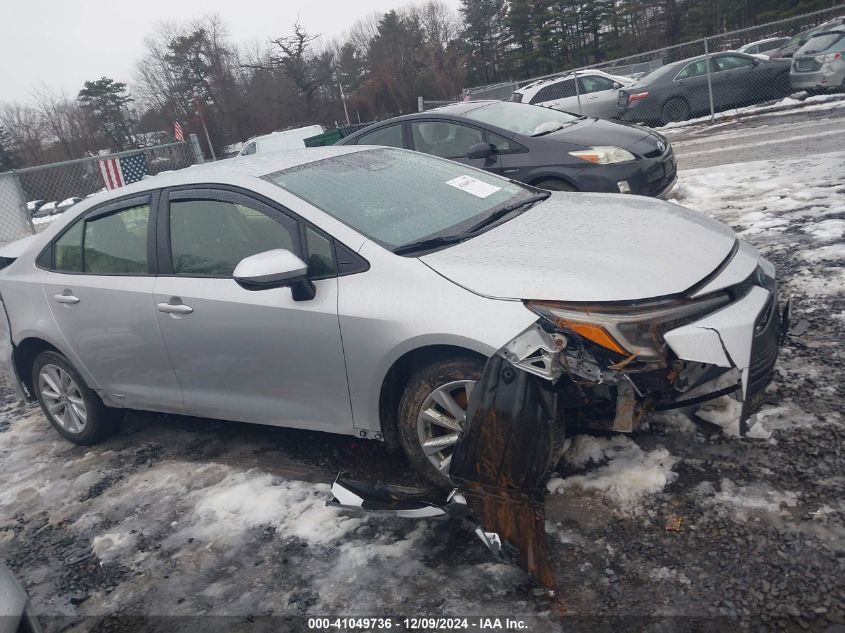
<point>599,95</point>
<point>453,140</point>
<point>254,356</point>
<point>100,292</point>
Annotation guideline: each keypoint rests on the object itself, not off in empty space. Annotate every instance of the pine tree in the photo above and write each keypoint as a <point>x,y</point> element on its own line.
<point>105,103</point>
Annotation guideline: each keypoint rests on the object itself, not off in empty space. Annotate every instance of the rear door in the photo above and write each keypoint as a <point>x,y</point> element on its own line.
<point>691,83</point>
<point>254,356</point>
<point>734,81</point>
<point>99,289</point>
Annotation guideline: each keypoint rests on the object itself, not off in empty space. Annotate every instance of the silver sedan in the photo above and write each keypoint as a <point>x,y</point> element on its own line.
<point>360,290</point>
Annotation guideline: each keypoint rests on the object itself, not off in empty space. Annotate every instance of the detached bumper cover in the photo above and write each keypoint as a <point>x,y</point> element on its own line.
<point>8,372</point>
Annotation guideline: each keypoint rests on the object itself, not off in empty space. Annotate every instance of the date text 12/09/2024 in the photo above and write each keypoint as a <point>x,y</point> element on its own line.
<point>418,624</point>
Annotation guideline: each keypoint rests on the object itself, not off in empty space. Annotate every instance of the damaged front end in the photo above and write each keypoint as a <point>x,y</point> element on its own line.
<point>595,366</point>
<point>621,362</point>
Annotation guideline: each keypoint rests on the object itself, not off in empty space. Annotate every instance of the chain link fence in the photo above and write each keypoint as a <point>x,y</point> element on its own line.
<point>699,78</point>
<point>32,197</point>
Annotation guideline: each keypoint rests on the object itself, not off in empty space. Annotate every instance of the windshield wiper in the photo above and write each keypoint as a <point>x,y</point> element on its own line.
<point>430,243</point>
<point>505,210</point>
<point>550,128</point>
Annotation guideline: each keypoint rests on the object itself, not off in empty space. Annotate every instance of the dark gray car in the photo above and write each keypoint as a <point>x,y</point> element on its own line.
<point>678,91</point>
<point>539,146</point>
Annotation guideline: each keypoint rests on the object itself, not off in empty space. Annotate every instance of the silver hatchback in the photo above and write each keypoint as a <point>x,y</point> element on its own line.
<point>360,290</point>
<point>820,63</point>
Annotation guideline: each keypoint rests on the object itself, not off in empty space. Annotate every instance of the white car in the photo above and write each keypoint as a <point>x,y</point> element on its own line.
<point>67,203</point>
<point>280,141</point>
<point>762,47</point>
<point>594,94</point>
<point>49,208</point>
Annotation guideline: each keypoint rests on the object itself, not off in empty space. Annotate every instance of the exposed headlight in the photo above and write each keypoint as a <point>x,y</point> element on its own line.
<point>628,330</point>
<point>604,155</point>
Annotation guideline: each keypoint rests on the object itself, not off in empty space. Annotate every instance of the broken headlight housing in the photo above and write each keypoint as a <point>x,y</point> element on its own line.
<point>628,330</point>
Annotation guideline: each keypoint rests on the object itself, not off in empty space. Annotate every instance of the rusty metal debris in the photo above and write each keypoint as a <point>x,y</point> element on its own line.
<point>510,445</point>
<point>674,523</point>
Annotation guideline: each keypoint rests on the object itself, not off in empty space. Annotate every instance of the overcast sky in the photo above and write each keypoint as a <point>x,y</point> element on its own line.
<point>61,43</point>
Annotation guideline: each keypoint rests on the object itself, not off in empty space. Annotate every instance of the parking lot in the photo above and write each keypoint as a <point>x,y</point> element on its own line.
<point>185,517</point>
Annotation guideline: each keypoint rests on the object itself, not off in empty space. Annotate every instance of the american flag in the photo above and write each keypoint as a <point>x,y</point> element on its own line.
<point>177,131</point>
<point>121,171</point>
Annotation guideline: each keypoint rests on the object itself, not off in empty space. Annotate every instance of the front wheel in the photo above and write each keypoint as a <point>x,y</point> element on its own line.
<point>71,407</point>
<point>432,413</point>
<point>554,184</point>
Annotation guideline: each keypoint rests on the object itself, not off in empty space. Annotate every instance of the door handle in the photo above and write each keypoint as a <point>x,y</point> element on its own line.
<point>174,308</point>
<point>67,299</point>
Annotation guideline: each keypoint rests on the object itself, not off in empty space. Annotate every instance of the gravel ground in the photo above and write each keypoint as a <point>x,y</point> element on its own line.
<point>189,517</point>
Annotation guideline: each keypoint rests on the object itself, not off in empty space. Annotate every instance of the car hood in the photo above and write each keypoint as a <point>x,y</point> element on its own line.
<point>591,132</point>
<point>591,248</point>
<point>15,249</point>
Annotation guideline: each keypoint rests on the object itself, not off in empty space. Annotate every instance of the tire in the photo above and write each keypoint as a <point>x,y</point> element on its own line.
<point>74,410</point>
<point>454,377</point>
<point>554,184</point>
<point>674,110</point>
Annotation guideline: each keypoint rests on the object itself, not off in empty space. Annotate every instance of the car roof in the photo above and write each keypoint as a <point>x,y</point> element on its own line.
<point>255,166</point>
<point>452,110</point>
<point>577,73</point>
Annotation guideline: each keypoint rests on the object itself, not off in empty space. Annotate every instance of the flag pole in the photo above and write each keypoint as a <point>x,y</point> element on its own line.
<point>199,111</point>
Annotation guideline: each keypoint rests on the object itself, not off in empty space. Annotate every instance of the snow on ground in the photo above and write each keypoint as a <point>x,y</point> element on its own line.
<point>629,474</point>
<point>788,105</point>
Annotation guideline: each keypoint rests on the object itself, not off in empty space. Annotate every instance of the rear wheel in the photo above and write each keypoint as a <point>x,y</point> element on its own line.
<point>74,410</point>
<point>674,110</point>
<point>554,184</point>
<point>432,413</point>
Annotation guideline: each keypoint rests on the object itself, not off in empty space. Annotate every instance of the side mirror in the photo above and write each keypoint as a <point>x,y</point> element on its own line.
<point>275,269</point>
<point>616,85</point>
<point>480,150</point>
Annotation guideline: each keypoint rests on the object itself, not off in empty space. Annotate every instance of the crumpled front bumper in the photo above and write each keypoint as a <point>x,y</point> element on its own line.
<point>745,336</point>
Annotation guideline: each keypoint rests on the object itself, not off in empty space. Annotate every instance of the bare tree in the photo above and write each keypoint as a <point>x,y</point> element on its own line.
<point>65,120</point>
<point>25,131</point>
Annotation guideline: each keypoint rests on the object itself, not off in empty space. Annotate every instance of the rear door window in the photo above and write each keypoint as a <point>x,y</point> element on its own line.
<point>730,62</point>
<point>695,69</point>
<point>116,244</point>
<point>104,244</point>
<point>389,136</point>
<point>557,90</point>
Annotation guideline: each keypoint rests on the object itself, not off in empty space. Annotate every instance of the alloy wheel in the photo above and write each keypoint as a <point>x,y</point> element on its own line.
<point>62,398</point>
<point>440,421</point>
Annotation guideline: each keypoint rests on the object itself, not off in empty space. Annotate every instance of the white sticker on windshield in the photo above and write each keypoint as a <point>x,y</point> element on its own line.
<point>474,186</point>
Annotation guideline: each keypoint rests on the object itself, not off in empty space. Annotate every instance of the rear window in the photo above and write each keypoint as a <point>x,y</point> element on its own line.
<point>821,42</point>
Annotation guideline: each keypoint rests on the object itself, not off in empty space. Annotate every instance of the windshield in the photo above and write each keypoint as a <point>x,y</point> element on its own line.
<point>521,117</point>
<point>821,42</point>
<point>395,197</point>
